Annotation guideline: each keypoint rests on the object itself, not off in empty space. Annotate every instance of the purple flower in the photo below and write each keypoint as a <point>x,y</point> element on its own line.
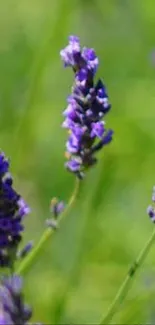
<point>4,164</point>
<point>25,250</point>
<point>81,77</point>
<point>68,54</point>
<point>12,211</point>
<point>73,144</point>
<point>106,139</point>
<point>87,105</point>
<point>13,309</point>
<point>151,208</point>
<point>97,129</point>
<point>90,57</point>
<point>5,319</point>
<point>151,213</point>
<point>68,123</point>
<point>23,208</point>
<point>102,100</point>
<point>73,165</point>
<point>57,207</point>
<point>71,110</point>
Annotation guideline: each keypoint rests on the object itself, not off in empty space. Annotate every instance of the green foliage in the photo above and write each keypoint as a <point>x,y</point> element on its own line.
<point>77,277</point>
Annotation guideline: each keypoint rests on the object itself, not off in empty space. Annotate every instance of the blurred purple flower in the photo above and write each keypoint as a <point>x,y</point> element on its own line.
<point>12,308</point>
<point>12,211</point>
<point>73,165</point>
<point>25,250</point>
<point>151,208</point>
<point>57,207</point>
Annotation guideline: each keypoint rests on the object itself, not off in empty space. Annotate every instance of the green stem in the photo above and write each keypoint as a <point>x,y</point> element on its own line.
<point>125,287</point>
<point>24,266</point>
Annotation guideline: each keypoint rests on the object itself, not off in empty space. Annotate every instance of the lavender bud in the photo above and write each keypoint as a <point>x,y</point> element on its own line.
<point>26,249</point>
<point>57,207</point>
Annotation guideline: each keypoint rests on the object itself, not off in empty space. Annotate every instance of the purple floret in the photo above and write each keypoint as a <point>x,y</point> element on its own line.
<point>13,309</point>
<point>90,57</point>
<point>57,207</point>
<point>97,129</point>
<point>73,165</point>
<point>69,53</point>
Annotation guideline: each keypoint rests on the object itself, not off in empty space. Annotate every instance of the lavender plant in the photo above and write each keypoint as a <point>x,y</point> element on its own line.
<point>87,105</point>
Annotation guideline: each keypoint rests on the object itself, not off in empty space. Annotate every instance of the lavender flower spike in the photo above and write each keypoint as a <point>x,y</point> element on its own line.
<point>12,211</point>
<point>13,310</point>
<point>87,105</point>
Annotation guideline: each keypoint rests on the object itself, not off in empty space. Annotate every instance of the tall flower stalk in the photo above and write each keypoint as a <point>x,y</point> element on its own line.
<point>87,105</point>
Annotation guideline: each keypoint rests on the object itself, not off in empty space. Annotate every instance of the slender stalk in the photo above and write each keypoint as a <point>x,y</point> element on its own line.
<point>29,259</point>
<point>126,285</point>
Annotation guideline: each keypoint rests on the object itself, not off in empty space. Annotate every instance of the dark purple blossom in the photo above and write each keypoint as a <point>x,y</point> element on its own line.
<point>13,310</point>
<point>87,105</point>
<point>12,211</point>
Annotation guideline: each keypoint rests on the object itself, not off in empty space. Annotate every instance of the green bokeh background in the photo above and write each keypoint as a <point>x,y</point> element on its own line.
<point>77,275</point>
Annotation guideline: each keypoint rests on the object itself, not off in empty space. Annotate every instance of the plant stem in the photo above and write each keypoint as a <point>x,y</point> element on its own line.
<point>29,259</point>
<point>125,287</point>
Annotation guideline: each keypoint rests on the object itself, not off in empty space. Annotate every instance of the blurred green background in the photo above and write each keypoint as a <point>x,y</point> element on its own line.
<point>76,277</point>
